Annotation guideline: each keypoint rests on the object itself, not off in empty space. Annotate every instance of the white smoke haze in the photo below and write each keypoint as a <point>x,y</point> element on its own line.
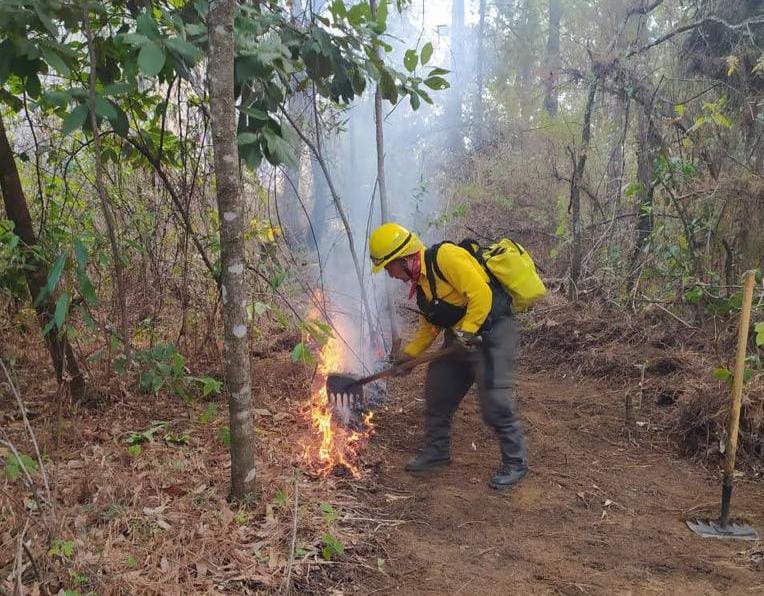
<point>419,144</point>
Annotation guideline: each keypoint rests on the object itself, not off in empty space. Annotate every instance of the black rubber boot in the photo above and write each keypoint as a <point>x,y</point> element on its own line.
<point>508,475</point>
<point>428,458</point>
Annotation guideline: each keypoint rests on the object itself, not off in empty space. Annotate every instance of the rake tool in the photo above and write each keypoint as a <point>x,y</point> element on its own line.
<point>346,391</point>
<point>723,528</point>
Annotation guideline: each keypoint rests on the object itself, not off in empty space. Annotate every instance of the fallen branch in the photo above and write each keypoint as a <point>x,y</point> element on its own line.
<point>32,561</point>
<point>288,579</point>
<point>18,567</point>
<point>668,312</point>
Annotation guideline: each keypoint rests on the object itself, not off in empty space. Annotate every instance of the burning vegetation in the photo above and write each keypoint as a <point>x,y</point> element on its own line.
<point>332,447</point>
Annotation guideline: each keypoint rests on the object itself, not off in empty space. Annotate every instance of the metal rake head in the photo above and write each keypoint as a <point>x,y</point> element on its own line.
<point>713,529</point>
<point>344,391</point>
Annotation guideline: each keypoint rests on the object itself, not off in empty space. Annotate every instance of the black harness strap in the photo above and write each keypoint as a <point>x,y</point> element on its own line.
<point>431,268</point>
<point>438,312</point>
<point>473,248</point>
<point>499,296</point>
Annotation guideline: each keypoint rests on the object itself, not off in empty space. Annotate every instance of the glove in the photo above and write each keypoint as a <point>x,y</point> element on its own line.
<point>469,342</point>
<point>402,358</point>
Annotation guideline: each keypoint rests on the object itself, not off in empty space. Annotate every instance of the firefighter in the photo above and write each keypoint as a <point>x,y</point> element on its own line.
<point>455,295</point>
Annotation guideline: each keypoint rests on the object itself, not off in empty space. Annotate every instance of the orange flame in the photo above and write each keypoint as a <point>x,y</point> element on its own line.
<point>334,445</point>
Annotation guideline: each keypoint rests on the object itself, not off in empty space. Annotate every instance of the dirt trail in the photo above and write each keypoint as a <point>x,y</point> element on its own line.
<point>592,517</point>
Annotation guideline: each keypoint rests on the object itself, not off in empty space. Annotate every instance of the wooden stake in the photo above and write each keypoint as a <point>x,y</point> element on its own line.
<point>737,395</point>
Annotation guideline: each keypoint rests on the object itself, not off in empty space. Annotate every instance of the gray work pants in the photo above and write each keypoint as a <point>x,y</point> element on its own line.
<point>449,379</point>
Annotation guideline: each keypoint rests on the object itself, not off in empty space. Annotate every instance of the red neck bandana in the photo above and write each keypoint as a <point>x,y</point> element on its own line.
<point>414,267</point>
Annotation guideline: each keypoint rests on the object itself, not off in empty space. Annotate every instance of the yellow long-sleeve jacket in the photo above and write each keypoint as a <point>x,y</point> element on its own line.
<point>466,284</point>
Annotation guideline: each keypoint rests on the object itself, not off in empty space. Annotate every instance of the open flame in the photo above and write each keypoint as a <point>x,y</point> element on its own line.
<point>333,445</point>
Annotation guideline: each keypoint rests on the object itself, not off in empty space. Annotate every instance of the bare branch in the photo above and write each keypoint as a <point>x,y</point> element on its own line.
<point>18,567</point>
<point>695,25</point>
<point>643,10</point>
<point>32,436</point>
<point>288,579</point>
<point>175,197</point>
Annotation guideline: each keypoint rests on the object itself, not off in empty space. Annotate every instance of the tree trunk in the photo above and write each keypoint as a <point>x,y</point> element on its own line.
<point>454,106</point>
<point>108,216</point>
<point>382,185</point>
<point>291,217</point>
<point>552,58</point>
<point>478,124</point>
<point>231,214</point>
<point>528,33</point>
<point>17,211</point>
<point>322,201</point>
<point>645,187</point>
<point>380,139</point>
<point>575,191</point>
<point>617,143</point>
<point>646,148</point>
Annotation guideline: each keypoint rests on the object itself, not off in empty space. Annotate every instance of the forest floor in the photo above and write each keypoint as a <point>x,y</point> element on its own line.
<point>599,512</point>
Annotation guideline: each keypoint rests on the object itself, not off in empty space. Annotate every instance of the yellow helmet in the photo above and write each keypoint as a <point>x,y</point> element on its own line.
<point>391,241</point>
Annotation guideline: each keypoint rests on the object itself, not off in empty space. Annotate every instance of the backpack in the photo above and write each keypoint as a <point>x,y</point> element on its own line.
<point>509,264</point>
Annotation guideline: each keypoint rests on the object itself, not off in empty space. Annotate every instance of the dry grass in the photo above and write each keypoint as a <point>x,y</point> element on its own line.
<point>665,369</point>
<point>138,523</point>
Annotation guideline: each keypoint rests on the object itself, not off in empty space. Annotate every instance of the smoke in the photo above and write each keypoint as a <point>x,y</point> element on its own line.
<point>419,146</point>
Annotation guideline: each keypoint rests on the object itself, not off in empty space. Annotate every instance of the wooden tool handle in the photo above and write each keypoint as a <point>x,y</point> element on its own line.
<point>408,365</point>
<point>737,384</point>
